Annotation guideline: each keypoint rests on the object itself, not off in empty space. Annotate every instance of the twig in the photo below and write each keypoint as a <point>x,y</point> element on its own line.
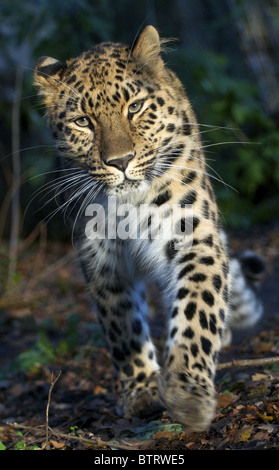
<point>93,440</point>
<point>44,274</point>
<point>248,362</point>
<point>53,267</point>
<point>36,233</point>
<point>53,382</point>
<point>16,178</point>
<point>19,302</point>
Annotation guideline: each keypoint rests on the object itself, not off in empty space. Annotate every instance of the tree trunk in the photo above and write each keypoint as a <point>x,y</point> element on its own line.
<point>259,39</point>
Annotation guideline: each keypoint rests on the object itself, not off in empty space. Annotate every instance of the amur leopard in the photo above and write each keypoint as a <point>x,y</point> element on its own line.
<point>142,209</point>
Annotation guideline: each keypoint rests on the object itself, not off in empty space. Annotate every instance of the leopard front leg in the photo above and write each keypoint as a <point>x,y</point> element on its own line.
<point>186,383</point>
<point>122,314</point>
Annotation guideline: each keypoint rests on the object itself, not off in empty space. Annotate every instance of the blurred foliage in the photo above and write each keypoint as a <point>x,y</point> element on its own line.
<point>243,151</point>
<point>54,343</point>
<point>240,137</point>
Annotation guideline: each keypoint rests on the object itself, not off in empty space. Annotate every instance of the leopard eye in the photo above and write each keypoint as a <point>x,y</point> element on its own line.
<point>82,122</point>
<point>135,107</point>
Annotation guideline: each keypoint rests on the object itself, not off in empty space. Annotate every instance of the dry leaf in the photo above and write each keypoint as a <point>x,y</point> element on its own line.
<point>189,445</point>
<point>57,445</point>
<point>259,391</point>
<point>226,399</point>
<point>267,427</point>
<point>261,435</point>
<point>244,434</point>
<point>185,435</point>
<point>262,347</point>
<point>261,376</point>
<point>164,433</point>
<point>264,416</point>
<point>98,389</point>
<point>272,409</point>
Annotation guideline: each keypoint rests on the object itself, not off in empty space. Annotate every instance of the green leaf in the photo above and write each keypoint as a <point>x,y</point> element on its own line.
<point>148,431</point>
<point>21,445</point>
<point>45,347</point>
<point>2,446</point>
<point>41,353</point>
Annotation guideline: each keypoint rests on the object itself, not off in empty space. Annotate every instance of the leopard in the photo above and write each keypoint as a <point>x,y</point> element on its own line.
<point>142,209</point>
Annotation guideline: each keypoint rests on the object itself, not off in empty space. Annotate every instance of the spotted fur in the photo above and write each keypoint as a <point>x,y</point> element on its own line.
<point>122,121</point>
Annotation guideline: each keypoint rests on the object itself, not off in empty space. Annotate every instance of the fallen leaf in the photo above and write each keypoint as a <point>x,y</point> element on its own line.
<point>272,409</point>
<point>239,409</point>
<point>259,391</point>
<point>189,445</point>
<point>261,376</point>
<point>251,408</point>
<point>153,427</point>
<point>264,416</point>
<point>57,445</point>
<point>98,389</point>
<point>260,436</point>
<point>185,435</point>
<point>262,347</point>
<point>164,433</point>
<point>226,399</point>
<point>244,434</point>
<point>267,427</point>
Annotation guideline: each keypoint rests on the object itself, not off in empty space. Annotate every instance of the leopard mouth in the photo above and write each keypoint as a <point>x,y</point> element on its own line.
<point>128,184</point>
<point>128,187</point>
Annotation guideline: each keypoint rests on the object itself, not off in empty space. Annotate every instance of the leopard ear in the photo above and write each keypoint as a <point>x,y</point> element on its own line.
<point>146,51</point>
<point>46,70</point>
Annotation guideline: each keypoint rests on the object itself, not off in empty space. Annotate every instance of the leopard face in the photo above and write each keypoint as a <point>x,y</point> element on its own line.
<point>117,112</point>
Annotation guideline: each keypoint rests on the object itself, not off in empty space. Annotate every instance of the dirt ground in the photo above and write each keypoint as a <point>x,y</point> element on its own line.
<point>57,385</point>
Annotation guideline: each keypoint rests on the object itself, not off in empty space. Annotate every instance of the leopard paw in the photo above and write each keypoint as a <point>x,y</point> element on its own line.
<point>140,399</point>
<point>188,402</point>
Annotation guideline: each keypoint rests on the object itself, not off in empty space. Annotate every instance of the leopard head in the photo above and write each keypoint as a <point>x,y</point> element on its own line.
<point>116,111</point>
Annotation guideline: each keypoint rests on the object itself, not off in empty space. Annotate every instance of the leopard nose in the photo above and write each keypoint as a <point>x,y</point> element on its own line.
<point>120,163</point>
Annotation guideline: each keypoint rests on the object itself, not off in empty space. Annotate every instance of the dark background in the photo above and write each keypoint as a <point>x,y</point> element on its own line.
<point>226,54</point>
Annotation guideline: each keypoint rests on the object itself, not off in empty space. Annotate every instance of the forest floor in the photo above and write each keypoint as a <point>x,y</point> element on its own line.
<point>57,385</point>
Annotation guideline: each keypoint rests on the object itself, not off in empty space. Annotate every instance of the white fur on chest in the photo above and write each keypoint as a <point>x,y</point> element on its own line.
<point>131,240</point>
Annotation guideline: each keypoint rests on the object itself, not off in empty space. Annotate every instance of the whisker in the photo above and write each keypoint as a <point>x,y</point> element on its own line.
<point>50,76</point>
<point>228,143</point>
<point>92,194</point>
<point>179,167</point>
<point>87,185</point>
<point>57,170</point>
<point>179,180</point>
<point>211,127</point>
<point>131,49</point>
<point>61,207</point>
<point>63,189</point>
<point>58,180</point>
<point>50,186</point>
<point>25,149</point>
<point>177,152</point>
